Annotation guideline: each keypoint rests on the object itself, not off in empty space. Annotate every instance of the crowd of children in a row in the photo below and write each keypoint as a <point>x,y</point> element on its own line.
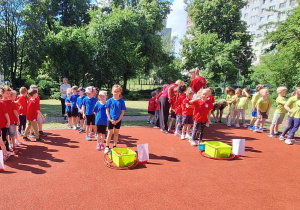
<point>190,110</point>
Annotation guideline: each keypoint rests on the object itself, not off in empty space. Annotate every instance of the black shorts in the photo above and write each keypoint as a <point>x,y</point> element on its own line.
<point>90,119</point>
<point>187,119</point>
<point>74,112</point>
<point>151,112</point>
<point>69,114</point>
<point>101,129</point>
<point>80,116</point>
<point>264,115</point>
<point>111,126</point>
<point>173,115</point>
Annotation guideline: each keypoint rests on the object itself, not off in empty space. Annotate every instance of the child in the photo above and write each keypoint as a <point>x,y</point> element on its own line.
<point>22,102</point>
<point>4,122</point>
<point>101,119</point>
<point>69,107</point>
<point>74,109</point>
<point>241,106</point>
<point>201,112</point>
<point>230,94</point>
<point>14,103</point>
<point>79,107</point>
<point>88,105</point>
<point>254,100</point>
<point>291,107</point>
<point>219,107</point>
<point>180,96</point>
<point>279,112</point>
<point>210,99</point>
<point>173,114</point>
<point>151,107</point>
<point>187,114</point>
<point>158,95</point>
<point>232,102</point>
<point>32,115</point>
<point>263,106</point>
<point>115,109</point>
<point>296,117</point>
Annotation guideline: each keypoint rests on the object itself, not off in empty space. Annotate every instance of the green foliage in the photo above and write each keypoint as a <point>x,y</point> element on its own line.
<point>217,41</point>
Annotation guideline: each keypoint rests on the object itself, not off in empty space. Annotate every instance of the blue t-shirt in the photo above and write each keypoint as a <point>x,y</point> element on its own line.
<point>74,100</point>
<point>89,104</point>
<point>101,117</point>
<point>68,108</point>
<point>115,107</point>
<point>79,102</point>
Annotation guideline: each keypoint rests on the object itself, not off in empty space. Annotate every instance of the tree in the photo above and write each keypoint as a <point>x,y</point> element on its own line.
<point>217,41</point>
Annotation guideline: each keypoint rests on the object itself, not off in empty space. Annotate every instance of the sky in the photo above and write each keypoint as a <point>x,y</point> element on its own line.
<point>177,21</point>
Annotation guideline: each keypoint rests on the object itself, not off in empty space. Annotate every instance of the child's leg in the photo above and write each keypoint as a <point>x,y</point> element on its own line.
<point>178,123</point>
<point>263,122</point>
<point>238,116</point>
<point>170,123</point>
<point>27,129</point>
<point>151,118</point>
<point>195,129</point>
<point>87,130</point>
<point>276,128</point>
<point>12,134</point>
<point>183,129</point>
<point>202,126</point>
<point>229,119</point>
<point>108,138</point>
<point>35,128</point>
<point>3,140</point>
<point>294,129</point>
<point>289,126</point>
<point>116,136</point>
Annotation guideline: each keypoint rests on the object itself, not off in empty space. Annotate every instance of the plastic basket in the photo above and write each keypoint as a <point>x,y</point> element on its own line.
<point>217,149</point>
<point>123,157</point>
<point>201,146</point>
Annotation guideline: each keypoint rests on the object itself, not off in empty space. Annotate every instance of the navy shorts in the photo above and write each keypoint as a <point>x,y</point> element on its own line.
<point>69,114</point>
<point>74,112</point>
<point>101,129</point>
<point>173,115</point>
<point>90,119</point>
<point>187,119</point>
<point>80,116</point>
<point>111,126</point>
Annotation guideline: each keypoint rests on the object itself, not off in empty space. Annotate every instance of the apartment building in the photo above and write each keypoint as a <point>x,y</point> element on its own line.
<point>260,12</point>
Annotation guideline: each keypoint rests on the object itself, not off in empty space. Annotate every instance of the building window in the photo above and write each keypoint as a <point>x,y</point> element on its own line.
<point>252,25</point>
<point>292,2</point>
<point>272,7</point>
<point>289,12</point>
<point>245,15</point>
<point>265,43</point>
<point>255,9</point>
<point>255,1</point>
<point>264,1</point>
<point>254,17</point>
<point>280,15</point>
<point>282,5</point>
<point>262,19</point>
<point>252,33</point>
<point>263,10</point>
<point>258,35</point>
<point>256,43</point>
<point>272,1</point>
<point>270,17</point>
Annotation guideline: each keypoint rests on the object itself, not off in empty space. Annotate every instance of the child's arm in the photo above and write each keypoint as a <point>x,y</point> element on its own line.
<point>121,116</point>
<point>108,115</point>
<point>7,120</point>
<point>17,116</point>
<point>288,108</point>
<point>209,114</point>
<point>269,107</point>
<point>40,113</point>
<point>247,94</point>
<point>69,103</point>
<point>83,111</point>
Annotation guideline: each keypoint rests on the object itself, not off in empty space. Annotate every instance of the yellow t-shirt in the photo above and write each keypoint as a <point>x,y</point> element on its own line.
<point>280,101</point>
<point>291,102</point>
<point>242,103</point>
<point>234,97</point>
<point>263,104</point>
<point>229,98</point>
<point>296,112</point>
<point>255,98</point>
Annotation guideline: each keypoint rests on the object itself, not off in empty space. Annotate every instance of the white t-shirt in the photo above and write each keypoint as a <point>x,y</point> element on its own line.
<point>64,88</point>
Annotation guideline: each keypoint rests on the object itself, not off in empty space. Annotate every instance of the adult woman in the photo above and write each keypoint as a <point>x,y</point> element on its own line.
<point>164,105</point>
<point>197,82</point>
<point>63,91</point>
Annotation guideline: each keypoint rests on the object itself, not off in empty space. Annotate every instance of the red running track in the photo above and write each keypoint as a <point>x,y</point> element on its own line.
<point>66,172</point>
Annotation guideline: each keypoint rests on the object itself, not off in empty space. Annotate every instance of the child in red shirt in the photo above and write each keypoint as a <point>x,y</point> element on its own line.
<point>14,103</point>
<point>158,95</point>
<point>178,108</point>
<point>201,112</point>
<point>22,103</point>
<point>4,123</point>
<point>32,115</point>
<point>152,107</point>
<point>187,114</point>
<point>210,99</point>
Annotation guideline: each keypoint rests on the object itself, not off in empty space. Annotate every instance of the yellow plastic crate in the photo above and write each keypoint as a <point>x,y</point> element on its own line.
<point>217,149</point>
<point>123,157</point>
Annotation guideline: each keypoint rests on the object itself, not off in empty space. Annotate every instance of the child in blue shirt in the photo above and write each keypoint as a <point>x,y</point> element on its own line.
<point>101,119</point>
<point>88,105</point>
<point>79,107</point>
<point>115,109</point>
<point>74,109</point>
<point>68,106</point>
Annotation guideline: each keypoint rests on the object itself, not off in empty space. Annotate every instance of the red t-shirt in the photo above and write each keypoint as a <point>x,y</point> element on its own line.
<point>187,110</point>
<point>152,104</point>
<point>201,110</point>
<point>198,83</point>
<point>173,103</point>
<point>211,99</point>
<point>178,103</point>
<point>157,100</point>
<point>3,111</point>
<point>22,105</point>
<point>11,106</point>
<point>165,92</point>
<point>32,108</point>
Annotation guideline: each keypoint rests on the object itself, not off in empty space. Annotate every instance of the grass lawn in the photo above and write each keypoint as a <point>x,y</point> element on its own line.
<point>52,108</point>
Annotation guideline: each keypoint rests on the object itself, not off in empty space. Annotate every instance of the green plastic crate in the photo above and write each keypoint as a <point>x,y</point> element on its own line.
<point>123,157</point>
<point>217,149</point>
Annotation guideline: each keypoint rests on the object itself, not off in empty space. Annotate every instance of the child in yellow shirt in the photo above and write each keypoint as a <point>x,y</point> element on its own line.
<point>241,106</point>
<point>263,106</point>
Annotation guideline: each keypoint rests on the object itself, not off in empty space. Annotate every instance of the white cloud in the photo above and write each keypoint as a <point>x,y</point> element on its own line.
<point>177,21</point>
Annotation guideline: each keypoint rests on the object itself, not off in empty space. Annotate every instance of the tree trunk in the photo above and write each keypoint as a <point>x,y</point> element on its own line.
<point>125,82</point>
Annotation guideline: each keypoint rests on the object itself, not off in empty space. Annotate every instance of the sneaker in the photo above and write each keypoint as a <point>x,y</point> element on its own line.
<point>17,142</point>
<point>177,134</point>
<point>78,125</point>
<point>26,138</point>
<point>19,134</point>
<point>256,130</point>
<point>251,127</point>
<point>228,124</point>
<point>148,122</point>
<point>207,125</point>
<point>161,130</point>
<point>101,146</point>
<point>5,157</point>
<point>80,130</point>
<point>182,137</point>
<point>288,141</point>
<point>88,138</point>
<point>187,136</point>
<point>237,125</point>
<point>10,146</point>
<point>281,138</point>
<point>41,133</point>
<point>32,135</point>
<point>276,133</point>
<point>245,125</point>
<point>40,140</point>
<point>271,135</point>
<point>155,127</point>
<point>90,135</point>
<point>69,126</point>
<point>98,147</point>
<point>106,150</point>
<point>74,127</point>
<point>193,143</point>
<point>261,130</point>
<point>219,121</point>
<point>166,132</point>
<point>170,131</point>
